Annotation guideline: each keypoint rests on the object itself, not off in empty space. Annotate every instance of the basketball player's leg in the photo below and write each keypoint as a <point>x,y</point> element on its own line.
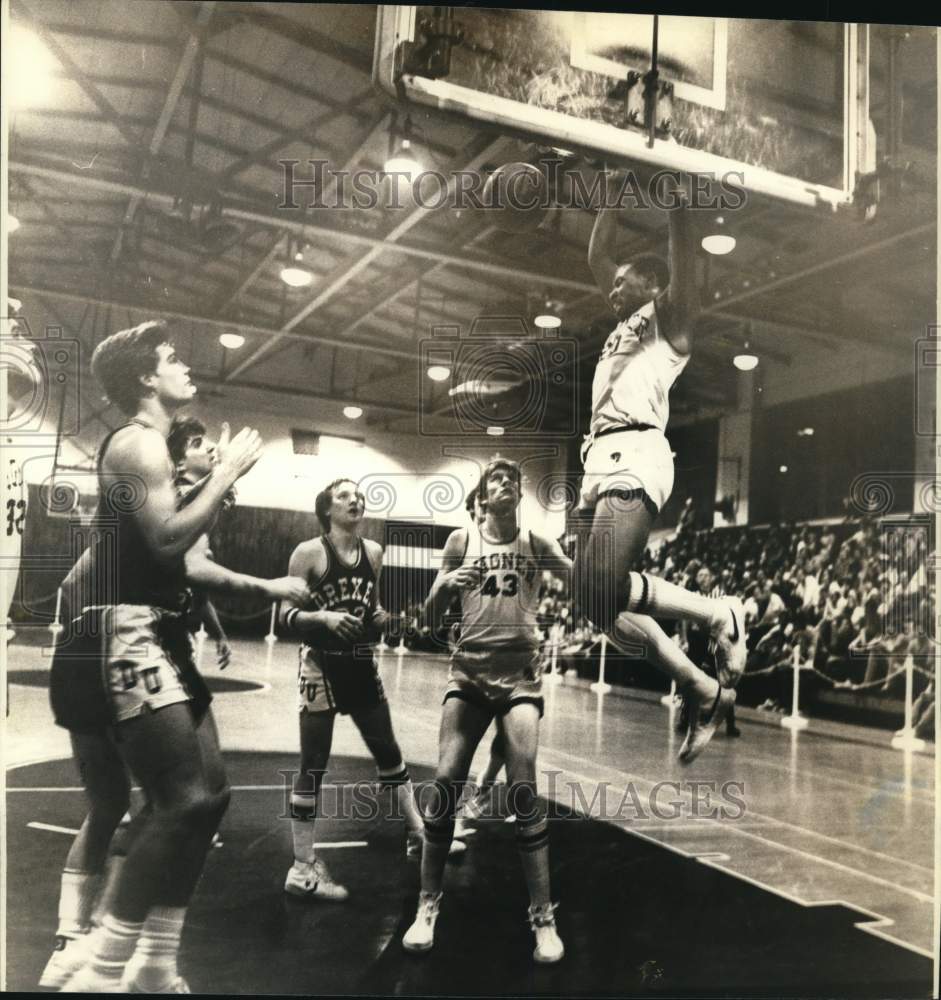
<point>475,806</point>
<point>520,729</point>
<point>375,726</point>
<point>107,788</point>
<point>154,965</point>
<point>162,750</point>
<point>619,533</point>
<point>463,723</point>
<point>308,876</point>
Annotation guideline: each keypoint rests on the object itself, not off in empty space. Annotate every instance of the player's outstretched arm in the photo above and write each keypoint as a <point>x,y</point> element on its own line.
<point>204,571</point>
<point>678,306</point>
<point>551,557</point>
<point>602,250</point>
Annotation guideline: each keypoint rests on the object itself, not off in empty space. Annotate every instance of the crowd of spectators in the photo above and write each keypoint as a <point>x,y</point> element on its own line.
<point>850,601</point>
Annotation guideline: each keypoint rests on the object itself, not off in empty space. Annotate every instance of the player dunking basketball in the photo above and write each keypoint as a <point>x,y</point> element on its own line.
<point>628,469</point>
<point>495,673</point>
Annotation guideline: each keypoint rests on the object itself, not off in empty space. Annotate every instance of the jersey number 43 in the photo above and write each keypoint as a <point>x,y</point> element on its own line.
<point>509,587</point>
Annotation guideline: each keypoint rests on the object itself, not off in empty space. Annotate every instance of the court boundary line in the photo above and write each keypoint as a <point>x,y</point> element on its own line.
<point>760,816</point>
<point>874,926</point>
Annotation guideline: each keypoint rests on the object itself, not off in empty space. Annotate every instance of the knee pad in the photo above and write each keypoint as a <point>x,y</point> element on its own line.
<point>303,806</point>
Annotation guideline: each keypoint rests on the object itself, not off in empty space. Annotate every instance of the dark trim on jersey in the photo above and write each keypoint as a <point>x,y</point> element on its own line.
<point>336,554</point>
<point>133,422</point>
<point>323,576</point>
<point>636,494</point>
<point>644,594</point>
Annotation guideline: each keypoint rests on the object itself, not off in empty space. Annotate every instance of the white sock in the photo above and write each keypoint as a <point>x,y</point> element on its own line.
<point>77,896</point>
<point>304,809</point>
<point>633,633</point>
<point>109,880</point>
<point>405,797</point>
<point>113,945</point>
<point>155,960</point>
<point>649,595</point>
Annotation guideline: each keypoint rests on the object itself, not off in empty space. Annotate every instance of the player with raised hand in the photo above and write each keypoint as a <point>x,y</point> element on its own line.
<point>122,680</point>
<point>628,466</point>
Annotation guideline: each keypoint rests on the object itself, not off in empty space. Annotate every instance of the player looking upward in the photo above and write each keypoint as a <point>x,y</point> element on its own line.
<point>495,672</point>
<point>628,468</point>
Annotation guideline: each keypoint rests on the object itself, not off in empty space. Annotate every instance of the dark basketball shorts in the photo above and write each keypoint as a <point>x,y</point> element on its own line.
<point>113,663</point>
<point>337,681</point>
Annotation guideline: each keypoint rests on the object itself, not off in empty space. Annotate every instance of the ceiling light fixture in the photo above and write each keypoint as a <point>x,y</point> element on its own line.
<point>439,373</point>
<point>745,361</point>
<point>296,273</point>
<point>401,159</point>
<point>548,317</point>
<point>719,241</point>
<point>231,341</point>
<point>352,412</point>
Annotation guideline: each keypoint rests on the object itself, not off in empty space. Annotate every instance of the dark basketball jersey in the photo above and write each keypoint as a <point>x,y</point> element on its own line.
<point>119,566</point>
<point>342,588</point>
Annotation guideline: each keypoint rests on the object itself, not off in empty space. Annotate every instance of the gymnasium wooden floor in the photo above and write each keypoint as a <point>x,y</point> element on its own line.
<point>818,881</point>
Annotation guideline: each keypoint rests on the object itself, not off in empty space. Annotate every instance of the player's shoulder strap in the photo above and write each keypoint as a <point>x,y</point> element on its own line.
<point>109,437</point>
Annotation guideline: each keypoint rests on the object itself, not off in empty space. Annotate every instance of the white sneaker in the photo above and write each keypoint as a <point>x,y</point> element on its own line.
<point>421,935</point>
<point>87,980</point>
<point>729,645</point>
<point>549,947</point>
<point>462,829</point>
<point>178,985</point>
<point>68,956</point>
<point>414,843</point>
<point>313,881</point>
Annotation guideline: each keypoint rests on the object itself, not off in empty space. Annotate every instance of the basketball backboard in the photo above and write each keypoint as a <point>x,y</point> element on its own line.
<point>778,102</point>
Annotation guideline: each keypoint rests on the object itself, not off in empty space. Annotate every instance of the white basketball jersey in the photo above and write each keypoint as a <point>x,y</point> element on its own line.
<point>501,612</point>
<point>634,375</point>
